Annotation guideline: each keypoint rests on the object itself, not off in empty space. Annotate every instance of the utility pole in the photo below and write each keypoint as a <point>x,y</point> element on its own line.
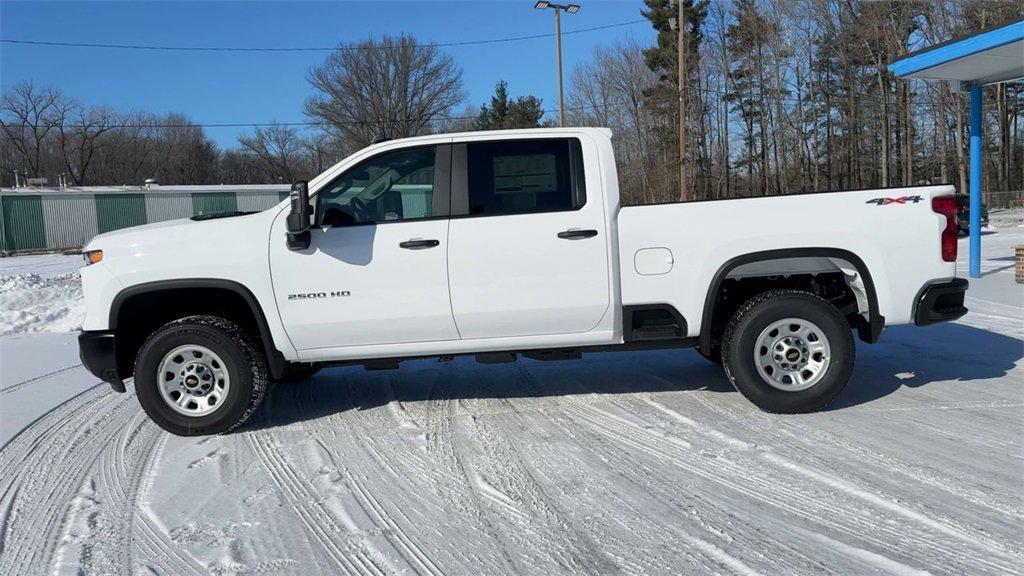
<point>558,8</point>
<point>684,189</point>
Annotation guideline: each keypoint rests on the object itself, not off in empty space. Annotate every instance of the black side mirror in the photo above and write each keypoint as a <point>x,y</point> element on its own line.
<point>298,218</point>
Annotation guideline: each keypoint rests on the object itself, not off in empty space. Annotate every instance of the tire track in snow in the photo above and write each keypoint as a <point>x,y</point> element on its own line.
<point>47,464</point>
<point>117,476</point>
<point>991,546</point>
<point>52,416</point>
<point>151,543</point>
<point>795,431</point>
<point>744,480</point>
<point>449,462</point>
<point>666,493</point>
<point>502,517</point>
<point>318,522</point>
<point>767,429</point>
<point>406,546</point>
<point>18,385</point>
<point>362,439</point>
<point>643,526</point>
<point>161,554</point>
<point>765,494</point>
<point>513,500</point>
<point>535,518</point>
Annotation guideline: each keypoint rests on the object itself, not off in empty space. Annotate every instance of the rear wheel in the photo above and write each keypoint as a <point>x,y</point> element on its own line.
<point>199,375</point>
<point>788,351</point>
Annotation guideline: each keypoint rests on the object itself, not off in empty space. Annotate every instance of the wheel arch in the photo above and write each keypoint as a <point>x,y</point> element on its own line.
<point>275,359</point>
<point>868,333</point>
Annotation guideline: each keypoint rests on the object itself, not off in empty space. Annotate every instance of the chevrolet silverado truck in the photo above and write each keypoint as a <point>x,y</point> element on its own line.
<point>500,244</point>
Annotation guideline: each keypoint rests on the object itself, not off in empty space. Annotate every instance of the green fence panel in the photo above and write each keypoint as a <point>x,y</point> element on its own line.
<point>116,211</point>
<point>214,203</point>
<point>23,223</point>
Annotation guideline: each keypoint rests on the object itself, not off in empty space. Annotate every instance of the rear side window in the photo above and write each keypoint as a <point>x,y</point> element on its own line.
<point>524,176</point>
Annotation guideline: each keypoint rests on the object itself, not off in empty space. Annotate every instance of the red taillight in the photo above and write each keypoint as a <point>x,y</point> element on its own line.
<point>946,205</point>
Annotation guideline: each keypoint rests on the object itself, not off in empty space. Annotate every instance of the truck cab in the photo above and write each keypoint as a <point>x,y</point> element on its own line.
<point>506,243</point>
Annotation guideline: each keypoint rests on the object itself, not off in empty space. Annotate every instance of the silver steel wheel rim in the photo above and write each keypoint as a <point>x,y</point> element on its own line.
<point>792,354</point>
<point>193,380</point>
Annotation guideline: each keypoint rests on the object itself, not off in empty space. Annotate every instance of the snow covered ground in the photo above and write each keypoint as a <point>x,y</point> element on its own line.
<point>638,463</point>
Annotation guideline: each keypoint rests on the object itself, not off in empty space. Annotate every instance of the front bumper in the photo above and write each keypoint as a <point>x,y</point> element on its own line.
<point>940,302</point>
<point>96,348</point>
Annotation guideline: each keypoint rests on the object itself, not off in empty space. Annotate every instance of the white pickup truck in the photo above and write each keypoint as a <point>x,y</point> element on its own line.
<point>501,244</point>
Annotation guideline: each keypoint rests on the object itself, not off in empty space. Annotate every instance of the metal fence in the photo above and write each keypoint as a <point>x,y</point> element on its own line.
<point>1007,199</point>
<point>56,218</point>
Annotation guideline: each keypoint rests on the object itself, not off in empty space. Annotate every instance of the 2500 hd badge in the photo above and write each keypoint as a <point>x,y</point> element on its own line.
<point>315,295</point>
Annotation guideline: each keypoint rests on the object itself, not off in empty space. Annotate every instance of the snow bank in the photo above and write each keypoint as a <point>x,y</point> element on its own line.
<point>46,300</point>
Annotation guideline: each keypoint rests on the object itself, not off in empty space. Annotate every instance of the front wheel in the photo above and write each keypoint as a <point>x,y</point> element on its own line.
<point>199,375</point>
<point>788,351</point>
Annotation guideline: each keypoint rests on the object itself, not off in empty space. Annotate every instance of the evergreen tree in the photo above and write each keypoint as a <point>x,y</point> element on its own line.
<point>505,113</point>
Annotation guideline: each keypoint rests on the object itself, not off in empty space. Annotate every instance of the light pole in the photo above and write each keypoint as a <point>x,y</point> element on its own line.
<point>569,9</point>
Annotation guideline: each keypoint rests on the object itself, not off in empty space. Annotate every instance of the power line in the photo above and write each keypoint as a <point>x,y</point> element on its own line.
<point>284,124</point>
<point>307,49</point>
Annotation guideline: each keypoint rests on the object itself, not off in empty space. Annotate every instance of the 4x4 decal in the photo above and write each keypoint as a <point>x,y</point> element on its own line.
<point>900,200</point>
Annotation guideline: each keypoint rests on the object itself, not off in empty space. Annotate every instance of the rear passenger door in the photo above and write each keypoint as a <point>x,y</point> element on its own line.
<point>526,246</point>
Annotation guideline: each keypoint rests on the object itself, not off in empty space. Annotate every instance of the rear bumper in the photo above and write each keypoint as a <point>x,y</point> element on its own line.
<point>940,302</point>
<point>97,352</point>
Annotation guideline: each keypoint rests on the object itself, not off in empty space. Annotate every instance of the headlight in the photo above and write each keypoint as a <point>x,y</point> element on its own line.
<point>92,256</point>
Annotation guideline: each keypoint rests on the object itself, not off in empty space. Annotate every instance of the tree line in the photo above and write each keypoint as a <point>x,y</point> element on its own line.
<point>795,95</point>
<point>781,97</point>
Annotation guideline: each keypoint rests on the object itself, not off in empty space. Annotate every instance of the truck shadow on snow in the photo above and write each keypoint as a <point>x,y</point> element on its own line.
<point>911,357</point>
<point>962,356</point>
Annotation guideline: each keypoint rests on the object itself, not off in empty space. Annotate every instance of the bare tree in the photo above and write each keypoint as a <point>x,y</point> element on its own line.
<point>279,150</point>
<point>387,88</point>
<point>28,117</point>
<point>80,136</point>
<point>463,121</point>
<point>609,91</point>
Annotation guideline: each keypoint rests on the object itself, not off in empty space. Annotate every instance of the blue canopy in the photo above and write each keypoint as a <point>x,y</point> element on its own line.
<point>995,55</point>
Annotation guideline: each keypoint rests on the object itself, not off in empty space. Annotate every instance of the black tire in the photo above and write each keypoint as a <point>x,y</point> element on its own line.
<point>243,362</point>
<point>753,317</point>
<point>715,356</point>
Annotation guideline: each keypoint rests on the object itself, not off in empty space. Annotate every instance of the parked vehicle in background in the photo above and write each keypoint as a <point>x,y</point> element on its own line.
<point>963,213</point>
<point>508,243</point>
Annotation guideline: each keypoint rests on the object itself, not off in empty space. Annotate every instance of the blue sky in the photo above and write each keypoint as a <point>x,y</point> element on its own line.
<point>238,87</point>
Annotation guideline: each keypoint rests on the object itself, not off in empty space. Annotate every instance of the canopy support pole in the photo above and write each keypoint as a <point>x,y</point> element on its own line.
<point>975,182</point>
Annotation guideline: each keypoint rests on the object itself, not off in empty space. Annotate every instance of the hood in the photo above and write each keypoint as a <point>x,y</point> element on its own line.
<point>184,233</point>
<point>123,233</point>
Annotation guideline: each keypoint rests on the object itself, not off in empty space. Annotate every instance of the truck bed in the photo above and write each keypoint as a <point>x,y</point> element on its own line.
<point>893,231</point>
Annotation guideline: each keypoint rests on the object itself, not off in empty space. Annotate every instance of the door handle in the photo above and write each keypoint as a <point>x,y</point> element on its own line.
<point>576,234</point>
<point>418,244</point>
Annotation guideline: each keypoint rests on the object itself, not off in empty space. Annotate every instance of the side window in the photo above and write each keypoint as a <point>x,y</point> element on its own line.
<point>393,186</point>
<point>524,176</point>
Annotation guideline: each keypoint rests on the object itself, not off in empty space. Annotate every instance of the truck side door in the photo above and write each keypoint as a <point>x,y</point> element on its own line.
<point>526,246</point>
<point>376,270</point>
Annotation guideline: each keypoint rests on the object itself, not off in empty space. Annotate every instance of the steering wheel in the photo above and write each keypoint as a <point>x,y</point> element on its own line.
<point>358,208</point>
